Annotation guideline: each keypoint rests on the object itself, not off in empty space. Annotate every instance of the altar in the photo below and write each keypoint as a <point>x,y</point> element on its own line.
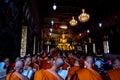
<point>64,45</point>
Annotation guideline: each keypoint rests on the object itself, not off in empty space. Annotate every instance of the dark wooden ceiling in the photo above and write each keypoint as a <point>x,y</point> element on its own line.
<point>99,10</point>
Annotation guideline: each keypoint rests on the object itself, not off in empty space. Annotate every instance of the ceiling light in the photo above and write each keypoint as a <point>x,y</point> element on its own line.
<point>100,25</point>
<point>73,22</point>
<point>50,34</point>
<point>63,26</point>
<point>80,34</point>
<point>52,22</point>
<point>83,17</point>
<point>54,6</point>
<point>88,31</point>
<point>51,29</point>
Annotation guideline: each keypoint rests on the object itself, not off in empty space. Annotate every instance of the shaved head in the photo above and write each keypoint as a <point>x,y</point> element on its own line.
<point>54,51</point>
<point>18,65</point>
<point>77,63</point>
<point>89,59</point>
<point>59,62</point>
<point>28,61</point>
<point>116,63</point>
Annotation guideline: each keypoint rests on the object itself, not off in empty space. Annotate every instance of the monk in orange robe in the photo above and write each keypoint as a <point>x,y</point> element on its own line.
<point>87,73</point>
<point>17,74</point>
<point>27,63</point>
<point>72,70</point>
<point>115,73</point>
<point>49,74</point>
<point>45,75</point>
<point>34,65</point>
<point>46,63</point>
<point>81,62</point>
<point>66,65</point>
<point>71,60</point>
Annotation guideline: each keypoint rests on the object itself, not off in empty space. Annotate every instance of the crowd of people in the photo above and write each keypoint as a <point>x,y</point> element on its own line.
<point>57,65</point>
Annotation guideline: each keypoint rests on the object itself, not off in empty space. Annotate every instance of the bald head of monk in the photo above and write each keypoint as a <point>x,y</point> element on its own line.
<point>28,61</point>
<point>116,63</point>
<point>55,52</point>
<point>19,66</point>
<point>76,63</point>
<point>88,61</point>
<point>59,62</point>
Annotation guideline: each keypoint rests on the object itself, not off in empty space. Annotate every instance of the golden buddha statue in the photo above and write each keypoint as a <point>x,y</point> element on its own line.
<point>63,45</point>
<point>63,39</point>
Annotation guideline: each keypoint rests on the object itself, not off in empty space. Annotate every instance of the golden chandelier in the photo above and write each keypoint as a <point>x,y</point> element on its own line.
<point>73,22</point>
<point>84,16</point>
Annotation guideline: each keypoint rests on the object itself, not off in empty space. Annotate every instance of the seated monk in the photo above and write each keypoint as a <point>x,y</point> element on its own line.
<point>17,74</point>
<point>87,73</point>
<point>27,63</point>
<point>39,59</point>
<point>46,63</point>
<point>71,59</point>
<point>34,65</point>
<point>115,73</point>
<point>63,71</point>
<point>54,52</point>
<point>13,63</point>
<point>27,69</point>
<point>66,65</point>
<point>81,61</point>
<point>73,69</point>
<point>49,74</point>
<point>7,64</point>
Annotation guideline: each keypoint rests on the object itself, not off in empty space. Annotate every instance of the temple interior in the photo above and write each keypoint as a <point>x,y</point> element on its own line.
<point>77,27</point>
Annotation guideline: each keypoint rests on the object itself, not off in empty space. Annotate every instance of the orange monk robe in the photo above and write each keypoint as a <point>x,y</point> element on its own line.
<point>12,66</point>
<point>44,75</point>
<point>81,63</point>
<point>118,69</point>
<point>114,74</point>
<point>45,64</point>
<point>12,76</point>
<point>55,56</point>
<point>71,60</point>
<point>72,70</point>
<point>35,66</point>
<point>65,66</point>
<point>39,61</point>
<point>86,74</point>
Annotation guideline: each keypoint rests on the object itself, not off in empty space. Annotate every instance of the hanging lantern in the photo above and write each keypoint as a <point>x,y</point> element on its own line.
<point>73,22</point>
<point>84,16</point>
